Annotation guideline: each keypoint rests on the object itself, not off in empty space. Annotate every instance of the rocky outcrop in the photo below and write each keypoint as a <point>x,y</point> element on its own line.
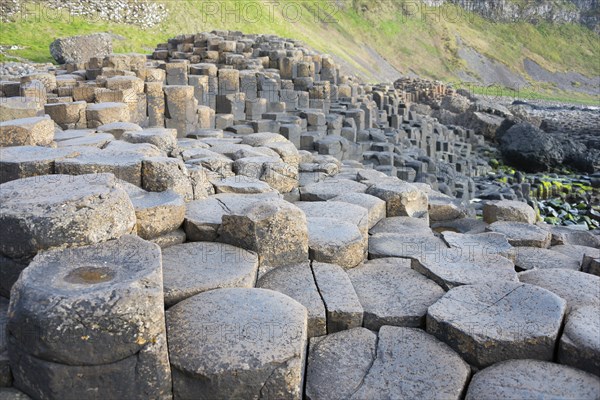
<point>572,11</point>
<point>530,149</point>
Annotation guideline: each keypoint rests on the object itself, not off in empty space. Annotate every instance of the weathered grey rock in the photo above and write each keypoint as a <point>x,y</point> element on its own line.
<point>280,176</point>
<point>79,49</point>
<point>519,379</point>
<point>46,78</point>
<point>393,295</point>
<point>508,210</point>
<point>336,242</point>
<point>450,269</point>
<point>203,217</point>
<point>9,393</point>
<point>89,305</point>
<point>145,375</point>
<point>252,166</point>
<point>9,273</point>
<point>263,138</point>
<point>338,210</point>
<point>160,174</point>
<point>34,131</point>
<point>124,166</point>
<point>218,164</point>
<point>443,208</point>
<point>328,189</point>
<point>577,288</point>
<point>164,139</point>
<point>3,322</point>
<point>181,111</point>
<point>564,235</point>
<point>489,244</point>
<point>522,234</point>
<point>117,129</point>
<point>5,374</point>
<point>579,344</point>
<point>591,265</point>
<point>575,251</point>
<point>382,245</point>
<point>375,206</point>
<point>138,149</point>
<point>491,322</point>
<point>60,135</point>
<point>69,115</point>
<point>342,305</point>
<point>275,229</point>
<point>241,185</point>
<point>237,343</point>
<point>297,282</point>
<point>201,185</point>
<point>170,239</point>
<point>157,213</point>
<point>26,161</point>
<point>98,140</point>
<point>60,210</point>
<point>338,363</point>
<point>464,225</point>
<point>402,225</point>
<point>530,149</point>
<point>192,268</point>
<point>286,150</point>
<point>401,198</point>
<point>105,113</point>
<point>20,108</point>
<point>527,258</point>
<point>6,378</point>
<point>425,368</point>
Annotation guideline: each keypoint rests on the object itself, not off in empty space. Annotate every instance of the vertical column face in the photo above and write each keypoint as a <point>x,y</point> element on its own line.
<point>155,98</point>
<point>229,81</point>
<point>177,73</point>
<point>125,343</point>
<point>181,109</point>
<point>201,88</point>
<point>249,85</point>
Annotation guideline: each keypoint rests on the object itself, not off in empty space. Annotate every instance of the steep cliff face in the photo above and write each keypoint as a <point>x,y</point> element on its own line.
<point>586,12</point>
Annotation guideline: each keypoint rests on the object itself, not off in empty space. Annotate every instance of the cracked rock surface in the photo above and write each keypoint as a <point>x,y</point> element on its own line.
<point>496,321</point>
<point>237,343</point>
<point>519,379</point>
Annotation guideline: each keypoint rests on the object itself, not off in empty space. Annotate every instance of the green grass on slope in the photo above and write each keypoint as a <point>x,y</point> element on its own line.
<point>418,39</point>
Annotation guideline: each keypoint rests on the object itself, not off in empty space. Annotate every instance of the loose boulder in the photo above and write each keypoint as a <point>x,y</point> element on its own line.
<point>79,49</point>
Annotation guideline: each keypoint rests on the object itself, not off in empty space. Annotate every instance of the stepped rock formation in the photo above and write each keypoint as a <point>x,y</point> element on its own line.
<point>309,236</point>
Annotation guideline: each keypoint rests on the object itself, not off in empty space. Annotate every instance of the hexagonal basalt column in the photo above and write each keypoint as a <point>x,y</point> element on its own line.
<point>48,211</point>
<point>237,343</point>
<point>193,268</point>
<point>402,199</point>
<point>275,229</point>
<point>519,379</point>
<point>95,312</point>
<point>497,321</point>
